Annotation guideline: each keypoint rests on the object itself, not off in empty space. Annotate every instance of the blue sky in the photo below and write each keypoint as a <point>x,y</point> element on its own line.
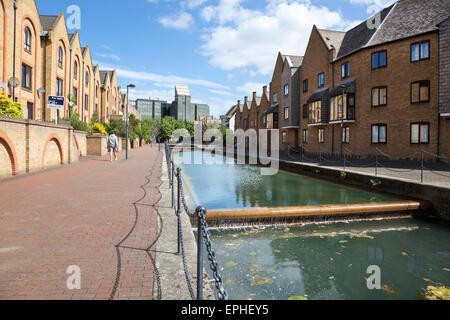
<point>222,49</point>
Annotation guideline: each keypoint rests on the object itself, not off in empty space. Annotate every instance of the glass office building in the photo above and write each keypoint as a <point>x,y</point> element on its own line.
<point>181,109</point>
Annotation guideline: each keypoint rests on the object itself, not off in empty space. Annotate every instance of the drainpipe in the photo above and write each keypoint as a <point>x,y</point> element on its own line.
<point>82,94</point>
<point>70,83</point>
<point>438,152</point>
<point>45,36</point>
<point>14,51</point>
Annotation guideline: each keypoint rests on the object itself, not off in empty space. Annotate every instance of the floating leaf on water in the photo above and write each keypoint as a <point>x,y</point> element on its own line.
<point>276,251</point>
<point>361,236</point>
<point>427,280</point>
<point>233,244</point>
<point>388,290</point>
<point>298,298</point>
<point>338,253</point>
<point>331,278</point>
<point>446,269</point>
<point>259,281</point>
<point>350,265</point>
<point>231,264</point>
<point>244,234</point>
<point>331,259</point>
<point>437,293</point>
<point>343,241</point>
<point>405,254</point>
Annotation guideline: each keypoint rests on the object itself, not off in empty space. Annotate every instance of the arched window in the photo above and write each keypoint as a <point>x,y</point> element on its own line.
<point>27,39</point>
<point>75,70</point>
<point>87,78</point>
<point>60,57</point>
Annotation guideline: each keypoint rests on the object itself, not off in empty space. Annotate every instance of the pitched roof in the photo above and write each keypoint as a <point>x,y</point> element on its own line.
<point>70,35</point>
<point>47,21</point>
<point>333,39</point>
<point>401,20</point>
<point>410,18</point>
<point>104,74</point>
<point>360,35</point>
<point>294,61</point>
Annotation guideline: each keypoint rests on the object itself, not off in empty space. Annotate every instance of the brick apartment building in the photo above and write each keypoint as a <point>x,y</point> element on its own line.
<point>47,60</point>
<point>383,85</point>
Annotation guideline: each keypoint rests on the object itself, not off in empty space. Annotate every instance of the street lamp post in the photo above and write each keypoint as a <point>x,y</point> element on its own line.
<point>14,51</point>
<point>128,100</point>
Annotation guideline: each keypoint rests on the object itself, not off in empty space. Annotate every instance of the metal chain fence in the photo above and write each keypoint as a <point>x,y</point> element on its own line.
<point>204,239</point>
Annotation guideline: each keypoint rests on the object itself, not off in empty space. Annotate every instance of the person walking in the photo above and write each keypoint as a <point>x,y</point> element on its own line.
<point>113,145</point>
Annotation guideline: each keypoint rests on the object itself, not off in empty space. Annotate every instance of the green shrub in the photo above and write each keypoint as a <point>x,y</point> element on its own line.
<point>77,124</point>
<point>9,108</point>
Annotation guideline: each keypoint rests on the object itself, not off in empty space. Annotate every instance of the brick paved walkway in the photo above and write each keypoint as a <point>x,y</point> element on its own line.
<point>81,215</point>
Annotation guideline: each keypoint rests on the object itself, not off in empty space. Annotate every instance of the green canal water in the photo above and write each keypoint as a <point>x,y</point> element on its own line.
<point>330,261</point>
<point>233,186</point>
<point>316,261</point>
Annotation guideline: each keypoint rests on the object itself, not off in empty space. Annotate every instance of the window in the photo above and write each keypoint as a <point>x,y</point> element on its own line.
<point>315,112</point>
<point>337,113</point>
<point>420,133</point>
<point>286,90</point>
<point>86,102</point>
<point>275,97</point>
<point>286,113</point>
<point>60,57</point>
<point>321,80</point>
<point>379,134</point>
<point>27,40</point>
<point>27,72</point>
<point>87,78</point>
<point>305,111</point>
<point>284,137</point>
<point>420,91</point>
<point>346,135</point>
<point>420,51</point>
<point>75,94</point>
<point>345,70</point>
<point>379,96</point>
<point>305,136</point>
<point>305,86</point>
<point>59,87</point>
<point>321,136</point>
<point>75,70</point>
<point>379,59</point>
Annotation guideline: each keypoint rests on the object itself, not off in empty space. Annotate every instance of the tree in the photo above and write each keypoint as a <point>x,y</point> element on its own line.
<point>168,125</point>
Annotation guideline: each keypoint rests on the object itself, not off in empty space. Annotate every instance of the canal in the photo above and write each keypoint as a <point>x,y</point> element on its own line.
<point>316,261</point>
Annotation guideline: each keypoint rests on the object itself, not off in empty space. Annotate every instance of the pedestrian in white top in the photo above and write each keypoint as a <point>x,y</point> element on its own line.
<point>113,145</point>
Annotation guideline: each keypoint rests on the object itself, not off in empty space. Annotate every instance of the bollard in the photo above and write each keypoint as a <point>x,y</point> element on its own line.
<point>200,248</point>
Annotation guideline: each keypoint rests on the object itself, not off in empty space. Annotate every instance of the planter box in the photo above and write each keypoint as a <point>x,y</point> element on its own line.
<point>97,145</point>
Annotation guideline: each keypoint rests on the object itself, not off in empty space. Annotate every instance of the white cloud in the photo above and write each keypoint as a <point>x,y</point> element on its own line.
<point>160,80</point>
<point>249,87</point>
<point>243,38</point>
<point>373,6</point>
<point>191,4</point>
<point>182,21</point>
<point>108,56</point>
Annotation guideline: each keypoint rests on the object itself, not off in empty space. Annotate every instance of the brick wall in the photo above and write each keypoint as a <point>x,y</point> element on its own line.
<point>399,113</point>
<point>29,146</point>
<point>444,67</point>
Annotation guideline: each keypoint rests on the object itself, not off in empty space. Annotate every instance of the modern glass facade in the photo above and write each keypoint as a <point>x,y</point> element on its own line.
<point>181,109</point>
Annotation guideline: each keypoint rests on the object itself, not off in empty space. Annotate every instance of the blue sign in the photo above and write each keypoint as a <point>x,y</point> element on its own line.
<point>55,102</point>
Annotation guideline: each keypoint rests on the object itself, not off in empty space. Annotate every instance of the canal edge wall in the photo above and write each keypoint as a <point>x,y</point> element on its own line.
<point>437,197</point>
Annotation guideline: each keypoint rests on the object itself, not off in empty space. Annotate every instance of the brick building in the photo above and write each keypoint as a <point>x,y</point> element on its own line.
<point>47,60</point>
<point>382,86</point>
<point>444,86</point>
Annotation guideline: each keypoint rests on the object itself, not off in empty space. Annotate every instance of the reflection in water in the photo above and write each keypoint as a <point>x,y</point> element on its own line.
<point>330,261</point>
<point>232,186</point>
